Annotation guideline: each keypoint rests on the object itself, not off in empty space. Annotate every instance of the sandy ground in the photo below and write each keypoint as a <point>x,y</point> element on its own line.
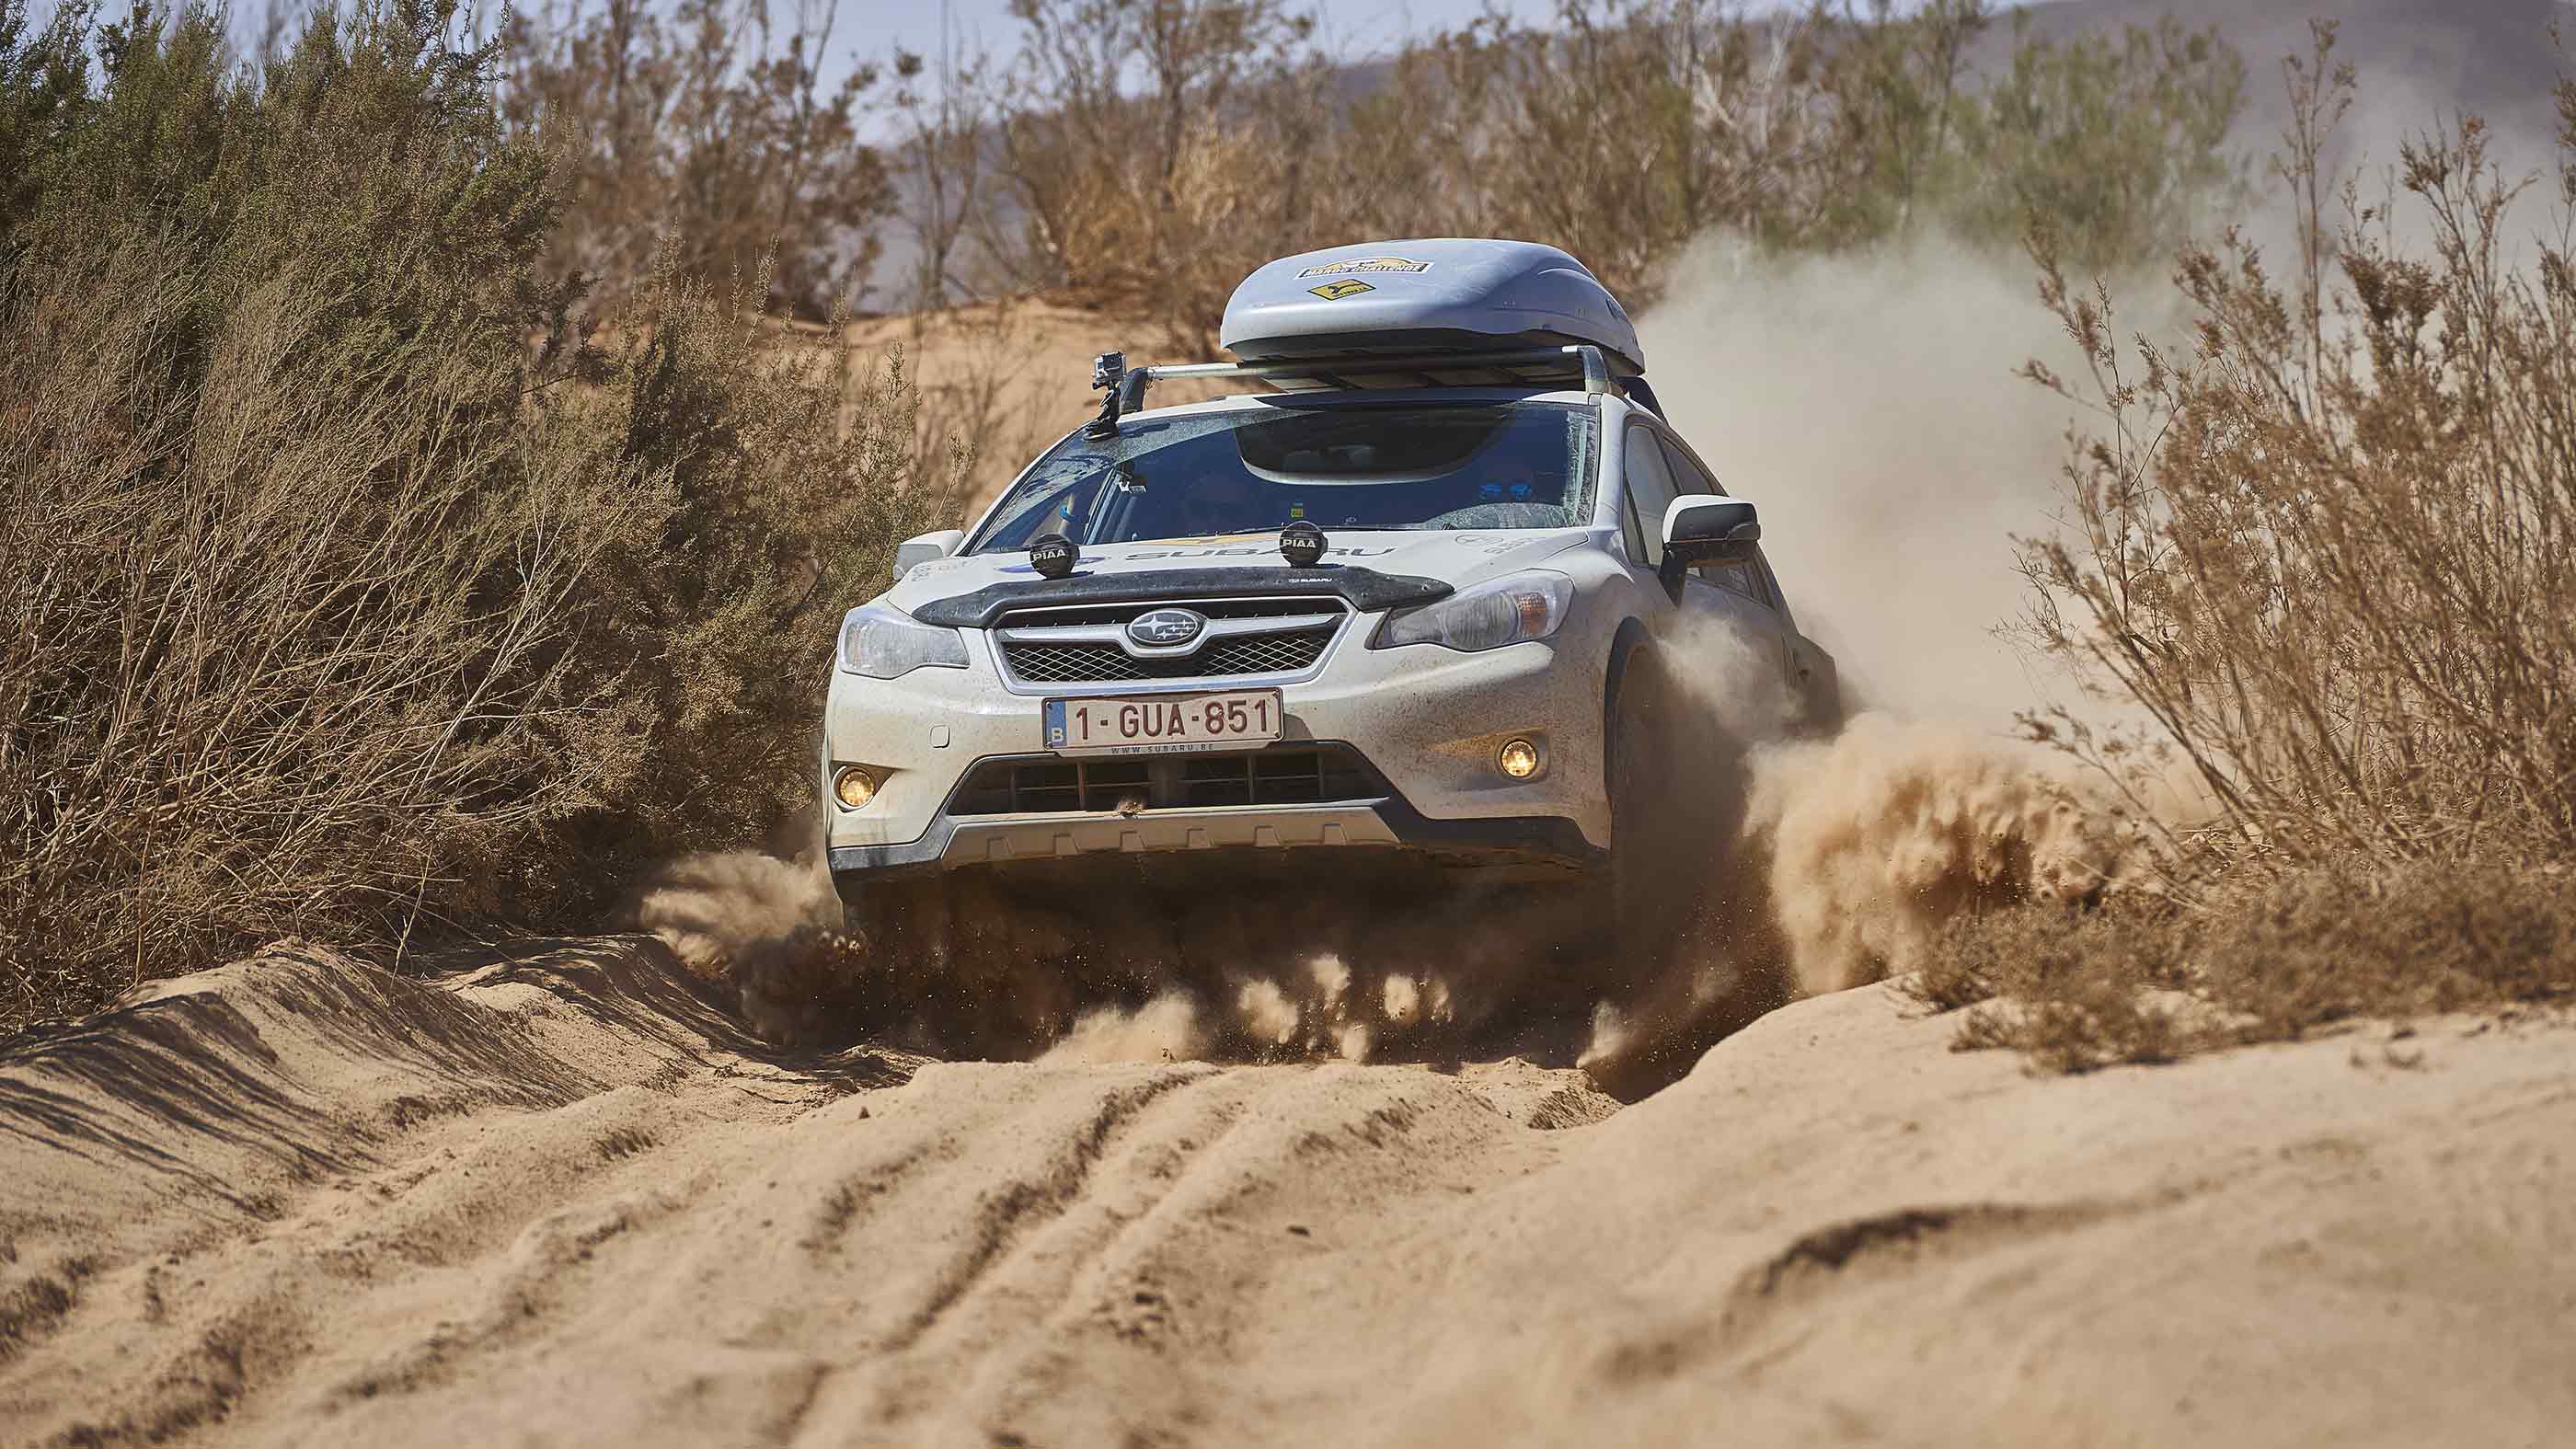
<point>565,1200</point>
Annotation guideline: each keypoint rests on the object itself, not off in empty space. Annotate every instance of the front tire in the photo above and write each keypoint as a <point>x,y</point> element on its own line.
<point>1657,864</point>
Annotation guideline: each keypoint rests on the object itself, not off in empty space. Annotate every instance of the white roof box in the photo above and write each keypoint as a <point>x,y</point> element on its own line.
<point>1435,295</point>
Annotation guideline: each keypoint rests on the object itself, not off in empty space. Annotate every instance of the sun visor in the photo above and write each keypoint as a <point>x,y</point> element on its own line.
<point>1440,295</point>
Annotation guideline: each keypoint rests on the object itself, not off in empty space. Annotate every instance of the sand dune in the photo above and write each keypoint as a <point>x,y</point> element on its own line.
<point>565,1199</point>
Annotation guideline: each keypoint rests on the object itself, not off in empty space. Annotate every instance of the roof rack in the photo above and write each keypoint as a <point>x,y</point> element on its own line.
<point>1431,369</point>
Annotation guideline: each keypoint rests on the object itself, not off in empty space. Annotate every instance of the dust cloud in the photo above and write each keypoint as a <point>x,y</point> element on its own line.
<point>1311,1010</point>
<point>716,909</point>
<point>1114,962</point>
<point>1829,860</point>
<point>1837,857</point>
<point>1876,838</point>
<point>1868,404</point>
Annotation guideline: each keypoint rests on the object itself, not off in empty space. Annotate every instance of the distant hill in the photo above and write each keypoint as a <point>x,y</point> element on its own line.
<point>2417,60</point>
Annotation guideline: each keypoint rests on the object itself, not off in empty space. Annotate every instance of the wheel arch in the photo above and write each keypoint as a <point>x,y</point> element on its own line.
<point>1630,637</point>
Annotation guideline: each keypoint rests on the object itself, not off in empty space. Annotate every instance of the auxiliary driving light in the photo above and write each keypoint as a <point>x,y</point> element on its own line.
<point>1518,759</point>
<point>853,786</point>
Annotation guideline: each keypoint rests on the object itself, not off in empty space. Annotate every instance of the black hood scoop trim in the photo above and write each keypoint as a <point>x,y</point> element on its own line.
<point>1367,591</point>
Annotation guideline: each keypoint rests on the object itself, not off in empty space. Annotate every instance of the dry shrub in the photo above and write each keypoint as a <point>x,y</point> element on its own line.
<point>2146,979</point>
<point>264,668</point>
<point>707,127</point>
<point>2346,941</point>
<point>1621,130</point>
<point>1116,122</point>
<point>782,469</point>
<point>283,631</point>
<point>2323,549</point>
<point>2318,559</point>
<point>2075,982</point>
<point>332,609</point>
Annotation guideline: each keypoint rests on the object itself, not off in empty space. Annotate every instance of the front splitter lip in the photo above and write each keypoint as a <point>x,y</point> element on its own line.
<point>955,843</point>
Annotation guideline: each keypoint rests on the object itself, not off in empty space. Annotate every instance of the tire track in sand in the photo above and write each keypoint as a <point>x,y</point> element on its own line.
<point>1028,1238</point>
<point>1023,1207</point>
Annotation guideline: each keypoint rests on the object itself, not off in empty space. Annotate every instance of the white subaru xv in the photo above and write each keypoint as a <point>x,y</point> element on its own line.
<point>1420,603</point>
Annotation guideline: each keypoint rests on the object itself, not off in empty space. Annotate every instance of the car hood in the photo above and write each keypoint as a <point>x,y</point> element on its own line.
<point>1461,560</point>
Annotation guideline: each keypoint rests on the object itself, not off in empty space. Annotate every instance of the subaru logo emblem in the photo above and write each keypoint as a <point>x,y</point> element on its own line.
<point>1163,628</point>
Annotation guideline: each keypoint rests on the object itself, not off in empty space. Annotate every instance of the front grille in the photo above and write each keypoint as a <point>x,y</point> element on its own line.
<point>1107,663</point>
<point>1090,658</point>
<point>1277,777</point>
<point>1280,775</point>
<point>1006,787</point>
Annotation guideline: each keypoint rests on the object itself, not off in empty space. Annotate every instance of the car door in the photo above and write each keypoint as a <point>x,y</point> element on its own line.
<point>1724,595</point>
<point>1811,669</point>
<point>1807,669</point>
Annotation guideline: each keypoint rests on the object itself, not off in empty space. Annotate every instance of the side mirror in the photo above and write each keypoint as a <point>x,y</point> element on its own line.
<point>922,548</point>
<point>1705,528</point>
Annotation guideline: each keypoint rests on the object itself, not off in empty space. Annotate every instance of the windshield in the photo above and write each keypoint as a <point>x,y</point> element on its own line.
<point>1482,465</point>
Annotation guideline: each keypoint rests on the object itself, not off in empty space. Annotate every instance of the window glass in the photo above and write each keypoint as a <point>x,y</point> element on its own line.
<point>1688,476</point>
<point>1735,579</point>
<point>1741,579</point>
<point>1481,466</point>
<point>1650,491</point>
<point>1770,581</point>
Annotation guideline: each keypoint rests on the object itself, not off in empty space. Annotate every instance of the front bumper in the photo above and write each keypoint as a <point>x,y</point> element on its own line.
<point>1426,721</point>
<point>1544,841</point>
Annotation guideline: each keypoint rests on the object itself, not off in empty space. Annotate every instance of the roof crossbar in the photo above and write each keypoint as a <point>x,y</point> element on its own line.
<point>1546,362</point>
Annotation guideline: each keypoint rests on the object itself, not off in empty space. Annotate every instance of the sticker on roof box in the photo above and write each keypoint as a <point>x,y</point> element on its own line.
<point>1366,264</point>
<point>1346,287</point>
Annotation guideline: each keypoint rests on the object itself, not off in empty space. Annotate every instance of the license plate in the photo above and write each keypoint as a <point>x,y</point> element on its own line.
<point>1162,724</point>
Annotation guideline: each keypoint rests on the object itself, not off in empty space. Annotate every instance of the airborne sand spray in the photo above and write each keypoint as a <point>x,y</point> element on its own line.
<point>972,965</point>
<point>1841,857</point>
<point>1868,403</point>
<point>1838,860</point>
<point>1872,840</point>
<point>713,909</point>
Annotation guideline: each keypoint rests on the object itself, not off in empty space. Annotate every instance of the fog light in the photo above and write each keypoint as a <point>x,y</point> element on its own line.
<point>1519,759</point>
<point>855,787</point>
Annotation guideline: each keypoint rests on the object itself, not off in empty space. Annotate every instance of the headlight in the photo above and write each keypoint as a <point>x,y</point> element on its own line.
<point>883,643</point>
<point>1488,616</point>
